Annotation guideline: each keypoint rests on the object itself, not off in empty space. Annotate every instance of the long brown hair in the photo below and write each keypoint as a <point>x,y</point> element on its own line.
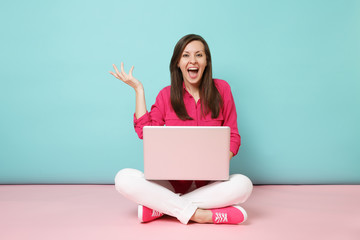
<point>211,100</point>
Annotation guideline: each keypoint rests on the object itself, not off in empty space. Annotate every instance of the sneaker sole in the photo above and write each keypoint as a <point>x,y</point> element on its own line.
<point>243,212</point>
<point>140,213</point>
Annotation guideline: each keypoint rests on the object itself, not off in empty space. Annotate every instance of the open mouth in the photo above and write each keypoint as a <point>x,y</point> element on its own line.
<point>193,72</point>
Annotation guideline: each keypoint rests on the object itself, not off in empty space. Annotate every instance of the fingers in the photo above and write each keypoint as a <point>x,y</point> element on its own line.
<point>122,75</point>
<point>117,71</point>
<point>131,71</point>
<point>122,68</point>
<point>113,74</point>
<point>118,74</point>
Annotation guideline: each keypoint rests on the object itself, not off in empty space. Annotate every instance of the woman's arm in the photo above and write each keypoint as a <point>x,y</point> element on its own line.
<point>231,155</point>
<point>140,107</point>
<point>140,104</point>
<point>230,116</point>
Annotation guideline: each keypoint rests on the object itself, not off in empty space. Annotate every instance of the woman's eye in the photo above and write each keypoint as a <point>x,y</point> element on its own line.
<point>199,55</point>
<point>185,55</point>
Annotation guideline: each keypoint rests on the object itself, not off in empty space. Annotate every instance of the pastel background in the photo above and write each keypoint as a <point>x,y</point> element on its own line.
<point>294,69</point>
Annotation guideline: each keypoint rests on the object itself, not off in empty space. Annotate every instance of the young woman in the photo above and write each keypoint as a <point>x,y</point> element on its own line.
<point>193,99</point>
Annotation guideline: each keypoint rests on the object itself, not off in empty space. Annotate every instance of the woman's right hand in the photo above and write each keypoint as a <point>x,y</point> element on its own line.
<point>127,78</point>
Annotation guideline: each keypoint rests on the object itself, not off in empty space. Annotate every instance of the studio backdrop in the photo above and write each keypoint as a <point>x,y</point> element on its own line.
<point>293,66</point>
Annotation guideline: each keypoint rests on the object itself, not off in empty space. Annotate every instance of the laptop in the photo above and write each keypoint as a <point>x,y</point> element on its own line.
<point>186,153</point>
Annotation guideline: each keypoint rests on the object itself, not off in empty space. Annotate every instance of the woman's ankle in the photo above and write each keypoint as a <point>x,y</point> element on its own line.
<point>202,216</point>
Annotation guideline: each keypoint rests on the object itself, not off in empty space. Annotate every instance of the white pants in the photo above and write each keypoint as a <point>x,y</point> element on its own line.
<point>158,195</point>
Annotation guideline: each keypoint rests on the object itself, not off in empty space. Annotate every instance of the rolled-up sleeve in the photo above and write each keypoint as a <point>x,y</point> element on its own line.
<point>153,118</point>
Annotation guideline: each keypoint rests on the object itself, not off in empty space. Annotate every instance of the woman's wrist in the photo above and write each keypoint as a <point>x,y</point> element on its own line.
<point>139,88</point>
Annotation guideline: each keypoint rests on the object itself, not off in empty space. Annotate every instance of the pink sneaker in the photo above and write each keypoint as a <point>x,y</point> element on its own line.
<point>229,215</point>
<point>146,214</point>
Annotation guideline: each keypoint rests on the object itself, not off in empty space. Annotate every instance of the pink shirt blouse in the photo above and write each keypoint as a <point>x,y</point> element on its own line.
<point>162,114</point>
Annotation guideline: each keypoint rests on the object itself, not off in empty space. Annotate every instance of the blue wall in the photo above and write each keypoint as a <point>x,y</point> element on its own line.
<point>294,69</point>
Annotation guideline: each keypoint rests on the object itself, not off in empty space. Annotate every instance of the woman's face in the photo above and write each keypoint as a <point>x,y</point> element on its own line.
<point>193,63</point>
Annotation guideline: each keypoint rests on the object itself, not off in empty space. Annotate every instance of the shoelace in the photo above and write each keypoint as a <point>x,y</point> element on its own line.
<point>221,217</point>
<point>156,214</point>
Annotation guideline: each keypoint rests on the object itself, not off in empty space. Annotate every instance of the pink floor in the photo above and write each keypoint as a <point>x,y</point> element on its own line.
<point>99,212</point>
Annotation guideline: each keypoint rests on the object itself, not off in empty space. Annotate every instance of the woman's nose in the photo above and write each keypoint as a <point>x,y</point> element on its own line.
<point>192,59</point>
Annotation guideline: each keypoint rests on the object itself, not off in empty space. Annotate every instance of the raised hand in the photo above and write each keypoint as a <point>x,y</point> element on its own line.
<point>127,78</point>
